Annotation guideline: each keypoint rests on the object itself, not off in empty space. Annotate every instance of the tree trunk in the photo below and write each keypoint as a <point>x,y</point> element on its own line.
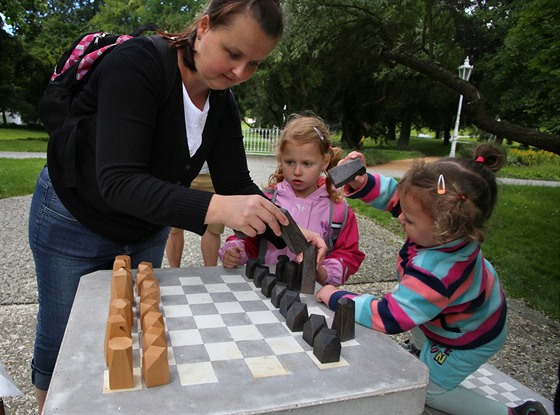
<point>404,135</point>
<point>474,101</point>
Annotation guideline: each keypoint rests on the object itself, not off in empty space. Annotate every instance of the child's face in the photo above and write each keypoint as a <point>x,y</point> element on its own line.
<point>302,165</point>
<point>418,225</point>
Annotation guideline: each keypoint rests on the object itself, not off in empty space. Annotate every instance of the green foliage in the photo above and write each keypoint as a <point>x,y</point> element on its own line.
<point>18,176</point>
<point>24,145</point>
<point>521,244</point>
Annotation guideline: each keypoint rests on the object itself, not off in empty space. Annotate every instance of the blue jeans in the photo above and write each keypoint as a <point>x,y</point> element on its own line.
<point>64,250</point>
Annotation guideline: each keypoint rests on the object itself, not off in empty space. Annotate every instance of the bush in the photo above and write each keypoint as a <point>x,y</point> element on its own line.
<point>530,157</point>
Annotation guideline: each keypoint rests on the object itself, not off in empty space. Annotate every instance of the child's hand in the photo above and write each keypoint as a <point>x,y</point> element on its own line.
<point>324,294</point>
<point>358,181</point>
<point>317,240</point>
<point>232,257</point>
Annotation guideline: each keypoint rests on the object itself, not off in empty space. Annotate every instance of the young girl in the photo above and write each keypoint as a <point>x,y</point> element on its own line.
<point>304,154</point>
<point>448,294</point>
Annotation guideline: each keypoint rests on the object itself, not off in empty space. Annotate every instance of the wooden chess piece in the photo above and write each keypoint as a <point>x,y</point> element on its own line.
<point>155,366</point>
<point>119,362</point>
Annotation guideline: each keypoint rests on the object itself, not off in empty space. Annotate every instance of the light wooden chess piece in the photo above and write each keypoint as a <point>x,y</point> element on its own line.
<point>119,358</point>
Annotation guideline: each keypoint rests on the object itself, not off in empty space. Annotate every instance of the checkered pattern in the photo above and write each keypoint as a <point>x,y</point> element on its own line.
<point>225,328</point>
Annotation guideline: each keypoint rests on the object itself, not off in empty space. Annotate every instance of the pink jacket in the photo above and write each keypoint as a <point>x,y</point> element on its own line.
<point>311,213</point>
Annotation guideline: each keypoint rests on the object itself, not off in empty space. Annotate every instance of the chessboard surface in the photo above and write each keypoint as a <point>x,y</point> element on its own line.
<point>494,384</point>
<point>230,351</point>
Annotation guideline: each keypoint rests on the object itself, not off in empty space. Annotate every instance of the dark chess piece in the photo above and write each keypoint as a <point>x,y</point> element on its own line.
<point>250,267</point>
<point>292,235</point>
<point>312,327</point>
<point>326,346</point>
<point>281,268</point>
<point>344,319</point>
<point>278,292</point>
<point>293,275</point>
<point>297,316</point>
<point>260,272</point>
<point>268,284</point>
<point>309,270</point>
<point>344,173</point>
<point>290,297</point>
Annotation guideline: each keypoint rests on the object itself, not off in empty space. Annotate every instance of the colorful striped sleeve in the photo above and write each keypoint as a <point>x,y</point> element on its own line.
<point>379,192</point>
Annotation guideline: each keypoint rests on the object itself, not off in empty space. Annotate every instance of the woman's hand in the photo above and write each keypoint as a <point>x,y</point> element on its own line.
<point>324,294</point>
<point>248,214</point>
<point>358,181</point>
<point>232,257</point>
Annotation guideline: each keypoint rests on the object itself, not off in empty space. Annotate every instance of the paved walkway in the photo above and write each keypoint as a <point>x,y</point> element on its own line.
<point>488,380</point>
<point>393,169</point>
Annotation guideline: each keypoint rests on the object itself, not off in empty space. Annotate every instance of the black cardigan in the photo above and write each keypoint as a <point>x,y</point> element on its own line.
<point>133,167</point>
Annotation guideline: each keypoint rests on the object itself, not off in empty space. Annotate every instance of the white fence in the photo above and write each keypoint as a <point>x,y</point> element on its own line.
<point>261,140</point>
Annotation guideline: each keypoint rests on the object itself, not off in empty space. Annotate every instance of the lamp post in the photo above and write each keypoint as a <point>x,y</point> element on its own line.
<point>465,71</point>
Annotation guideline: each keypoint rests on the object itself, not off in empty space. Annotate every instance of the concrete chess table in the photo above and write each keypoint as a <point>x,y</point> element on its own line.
<point>230,351</point>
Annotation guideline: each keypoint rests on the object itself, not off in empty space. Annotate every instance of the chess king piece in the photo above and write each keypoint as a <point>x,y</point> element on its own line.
<point>297,316</point>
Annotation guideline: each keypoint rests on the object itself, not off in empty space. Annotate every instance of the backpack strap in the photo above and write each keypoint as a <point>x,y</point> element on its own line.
<point>169,56</point>
<point>337,220</point>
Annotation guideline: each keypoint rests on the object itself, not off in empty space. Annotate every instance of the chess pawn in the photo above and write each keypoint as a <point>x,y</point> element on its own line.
<point>153,336</point>
<point>150,291</point>
<point>141,277</point>
<point>268,284</point>
<point>250,267</point>
<point>259,273</point>
<point>119,361</point>
<point>147,305</point>
<point>312,327</point>
<point>289,298</point>
<point>152,318</point>
<point>326,346</point>
<point>278,292</point>
<point>155,366</point>
<point>297,316</point>
<point>145,265</point>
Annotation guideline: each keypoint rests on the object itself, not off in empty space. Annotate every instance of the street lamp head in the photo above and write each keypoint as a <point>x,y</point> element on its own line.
<point>465,70</point>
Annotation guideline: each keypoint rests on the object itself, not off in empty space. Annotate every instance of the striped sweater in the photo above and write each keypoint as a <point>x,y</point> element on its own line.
<point>450,291</point>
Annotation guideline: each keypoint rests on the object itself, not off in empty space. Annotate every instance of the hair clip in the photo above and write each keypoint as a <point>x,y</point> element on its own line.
<point>319,133</point>
<point>480,159</point>
<point>441,185</point>
<point>462,198</point>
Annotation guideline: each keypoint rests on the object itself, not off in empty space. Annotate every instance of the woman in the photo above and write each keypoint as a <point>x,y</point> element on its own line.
<point>135,161</point>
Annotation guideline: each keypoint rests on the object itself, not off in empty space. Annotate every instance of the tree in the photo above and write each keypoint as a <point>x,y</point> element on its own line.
<point>350,40</point>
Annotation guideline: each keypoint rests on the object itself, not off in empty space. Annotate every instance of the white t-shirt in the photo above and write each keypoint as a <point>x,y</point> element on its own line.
<point>195,121</point>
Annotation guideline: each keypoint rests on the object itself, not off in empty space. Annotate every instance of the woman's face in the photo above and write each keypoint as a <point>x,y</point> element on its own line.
<point>229,55</point>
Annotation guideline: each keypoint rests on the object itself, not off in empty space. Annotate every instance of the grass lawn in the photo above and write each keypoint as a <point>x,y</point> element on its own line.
<point>521,238</point>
